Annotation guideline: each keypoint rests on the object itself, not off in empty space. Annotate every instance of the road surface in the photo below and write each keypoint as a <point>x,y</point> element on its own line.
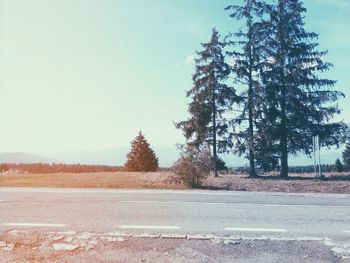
<point>271,216</point>
<point>188,212</point>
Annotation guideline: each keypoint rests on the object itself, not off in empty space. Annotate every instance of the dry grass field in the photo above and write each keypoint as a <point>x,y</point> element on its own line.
<point>159,180</point>
<point>88,180</point>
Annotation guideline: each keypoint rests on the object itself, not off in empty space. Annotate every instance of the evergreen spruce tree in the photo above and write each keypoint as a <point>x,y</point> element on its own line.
<point>346,157</point>
<point>141,158</point>
<point>221,165</point>
<point>303,102</point>
<point>338,166</point>
<point>247,56</point>
<point>211,99</point>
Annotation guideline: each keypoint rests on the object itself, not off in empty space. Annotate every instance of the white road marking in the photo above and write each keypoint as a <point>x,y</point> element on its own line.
<point>148,227</point>
<point>228,203</point>
<point>171,202</point>
<point>33,224</point>
<point>248,229</point>
<point>346,231</point>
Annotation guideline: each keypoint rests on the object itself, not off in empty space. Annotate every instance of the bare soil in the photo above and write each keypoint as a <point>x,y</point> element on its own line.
<point>338,183</point>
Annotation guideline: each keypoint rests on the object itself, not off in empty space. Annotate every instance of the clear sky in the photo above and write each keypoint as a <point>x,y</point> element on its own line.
<point>89,74</point>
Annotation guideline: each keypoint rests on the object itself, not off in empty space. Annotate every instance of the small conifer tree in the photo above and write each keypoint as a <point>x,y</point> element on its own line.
<point>346,157</point>
<point>141,158</point>
<point>339,166</point>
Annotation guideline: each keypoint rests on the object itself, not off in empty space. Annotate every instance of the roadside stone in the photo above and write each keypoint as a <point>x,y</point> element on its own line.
<point>347,244</point>
<point>146,235</point>
<point>200,237</point>
<point>9,247</point>
<point>216,241</point>
<point>173,236</point>
<point>120,239</point>
<point>341,250</point>
<point>68,239</point>
<point>13,232</point>
<point>56,238</point>
<point>111,239</point>
<point>93,242</point>
<point>85,235</point>
<point>118,234</point>
<point>115,239</point>
<point>231,242</point>
<point>79,242</point>
<point>64,247</point>
<point>2,244</point>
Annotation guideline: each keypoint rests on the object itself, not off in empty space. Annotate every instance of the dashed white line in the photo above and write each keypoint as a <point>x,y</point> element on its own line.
<point>346,231</point>
<point>147,227</point>
<point>227,203</point>
<point>33,224</point>
<point>171,202</point>
<point>248,229</point>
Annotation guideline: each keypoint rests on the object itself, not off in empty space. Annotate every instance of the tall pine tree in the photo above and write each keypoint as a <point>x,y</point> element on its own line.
<point>211,99</point>
<point>303,102</point>
<point>141,158</point>
<point>246,58</point>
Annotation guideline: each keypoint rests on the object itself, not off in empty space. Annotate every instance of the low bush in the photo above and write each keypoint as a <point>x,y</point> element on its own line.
<point>193,167</point>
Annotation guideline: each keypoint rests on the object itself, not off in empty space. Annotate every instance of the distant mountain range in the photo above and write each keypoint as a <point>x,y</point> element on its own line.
<point>167,156</point>
<point>18,157</point>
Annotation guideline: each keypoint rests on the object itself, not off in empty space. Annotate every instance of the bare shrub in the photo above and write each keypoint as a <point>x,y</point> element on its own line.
<point>193,167</point>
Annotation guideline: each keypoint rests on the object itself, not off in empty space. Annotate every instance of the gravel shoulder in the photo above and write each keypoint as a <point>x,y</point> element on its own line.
<point>88,247</point>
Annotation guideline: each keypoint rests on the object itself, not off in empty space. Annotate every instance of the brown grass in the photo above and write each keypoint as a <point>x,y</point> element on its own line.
<point>87,180</point>
<point>294,184</point>
<point>159,180</point>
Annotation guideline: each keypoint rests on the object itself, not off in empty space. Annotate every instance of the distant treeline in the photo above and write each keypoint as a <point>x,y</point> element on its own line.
<point>84,168</point>
<point>325,168</point>
<point>56,168</point>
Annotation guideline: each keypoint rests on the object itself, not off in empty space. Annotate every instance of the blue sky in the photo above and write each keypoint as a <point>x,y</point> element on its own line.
<point>89,74</point>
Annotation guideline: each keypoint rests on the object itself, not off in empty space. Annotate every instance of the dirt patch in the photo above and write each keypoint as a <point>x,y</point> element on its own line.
<point>160,180</point>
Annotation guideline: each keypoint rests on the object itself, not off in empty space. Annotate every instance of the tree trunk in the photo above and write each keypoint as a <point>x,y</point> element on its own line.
<point>252,172</point>
<point>215,170</point>
<point>283,142</point>
<point>283,129</point>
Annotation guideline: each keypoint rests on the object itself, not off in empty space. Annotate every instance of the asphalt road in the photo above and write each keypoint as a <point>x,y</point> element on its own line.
<point>182,212</point>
